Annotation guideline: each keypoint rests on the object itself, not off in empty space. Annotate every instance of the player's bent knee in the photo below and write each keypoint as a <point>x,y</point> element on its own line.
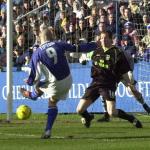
<point>52,103</point>
<point>79,109</point>
<point>112,113</point>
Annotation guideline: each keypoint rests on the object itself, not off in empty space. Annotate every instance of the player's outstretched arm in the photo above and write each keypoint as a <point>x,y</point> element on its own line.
<point>83,47</point>
<point>87,47</point>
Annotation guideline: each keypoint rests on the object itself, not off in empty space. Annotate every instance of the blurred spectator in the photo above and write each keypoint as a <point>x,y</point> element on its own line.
<point>38,3</point>
<point>3,31</point>
<point>19,50</point>
<point>101,27</point>
<point>146,20</point>
<point>133,5</point>
<point>33,19</point>
<point>142,27</point>
<point>27,30</point>
<point>85,8</point>
<point>128,46</point>
<point>82,30</point>
<point>65,29</point>
<point>2,52</point>
<point>146,38</point>
<point>143,52</point>
<point>101,12</point>
<point>141,49</point>
<point>26,6</point>
<point>61,8</point>
<point>94,14</point>
<point>2,45</point>
<point>103,18</point>
<point>63,18</point>
<point>145,7</point>
<point>45,17</point>
<point>122,8</point>
<point>70,37</point>
<point>51,9</point>
<point>17,2</point>
<point>3,17</point>
<point>76,6</point>
<point>132,32</point>
<point>3,5</point>
<point>111,23</point>
<point>126,17</point>
<point>69,6</point>
<point>17,11</point>
<point>72,18</point>
<point>69,34</point>
<point>91,29</point>
<point>17,31</point>
<point>111,9</point>
<point>36,33</point>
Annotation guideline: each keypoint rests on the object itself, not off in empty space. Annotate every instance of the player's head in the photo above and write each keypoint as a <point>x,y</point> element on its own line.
<point>106,39</point>
<point>46,34</point>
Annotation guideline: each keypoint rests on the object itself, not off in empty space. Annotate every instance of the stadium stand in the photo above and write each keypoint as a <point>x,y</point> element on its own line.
<point>76,19</point>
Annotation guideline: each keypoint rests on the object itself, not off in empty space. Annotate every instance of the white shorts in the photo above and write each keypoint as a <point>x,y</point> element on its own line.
<point>57,90</point>
<point>128,79</point>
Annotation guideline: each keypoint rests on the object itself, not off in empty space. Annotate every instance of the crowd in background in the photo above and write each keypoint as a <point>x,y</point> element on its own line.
<point>76,21</point>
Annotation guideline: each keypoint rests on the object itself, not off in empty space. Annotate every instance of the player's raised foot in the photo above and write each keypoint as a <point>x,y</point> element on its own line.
<point>25,93</point>
<point>105,118</point>
<point>87,121</point>
<point>46,135</point>
<point>137,123</point>
<point>147,108</point>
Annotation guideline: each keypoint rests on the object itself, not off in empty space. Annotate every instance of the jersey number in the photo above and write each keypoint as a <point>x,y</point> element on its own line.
<point>51,53</point>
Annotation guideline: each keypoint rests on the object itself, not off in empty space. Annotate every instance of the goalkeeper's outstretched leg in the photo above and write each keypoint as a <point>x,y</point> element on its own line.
<point>130,83</point>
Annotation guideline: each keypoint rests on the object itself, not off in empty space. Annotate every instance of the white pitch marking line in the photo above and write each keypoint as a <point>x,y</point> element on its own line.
<point>29,135</point>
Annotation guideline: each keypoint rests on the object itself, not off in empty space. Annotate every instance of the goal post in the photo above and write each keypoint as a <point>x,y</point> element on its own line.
<point>9,50</point>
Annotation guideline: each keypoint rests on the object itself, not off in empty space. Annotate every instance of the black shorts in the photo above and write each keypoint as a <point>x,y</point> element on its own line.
<point>95,90</point>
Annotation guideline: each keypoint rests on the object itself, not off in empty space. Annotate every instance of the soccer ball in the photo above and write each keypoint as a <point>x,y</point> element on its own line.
<point>23,112</point>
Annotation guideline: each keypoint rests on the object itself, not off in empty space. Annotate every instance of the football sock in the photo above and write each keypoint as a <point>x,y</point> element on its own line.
<point>52,114</point>
<point>140,100</point>
<point>34,95</point>
<point>104,105</point>
<point>146,107</point>
<point>124,115</point>
<point>85,114</point>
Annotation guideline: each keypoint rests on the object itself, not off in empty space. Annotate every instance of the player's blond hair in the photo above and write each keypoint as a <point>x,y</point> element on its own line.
<point>47,34</point>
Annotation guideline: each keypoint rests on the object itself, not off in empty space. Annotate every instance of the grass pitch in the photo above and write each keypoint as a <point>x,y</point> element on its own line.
<point>69,134</point>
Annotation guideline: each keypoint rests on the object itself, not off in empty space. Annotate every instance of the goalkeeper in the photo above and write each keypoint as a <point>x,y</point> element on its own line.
<point>128,80</point>
<point>109,62</point>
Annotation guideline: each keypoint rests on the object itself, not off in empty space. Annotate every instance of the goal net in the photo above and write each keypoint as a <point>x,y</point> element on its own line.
<point>75,22</point>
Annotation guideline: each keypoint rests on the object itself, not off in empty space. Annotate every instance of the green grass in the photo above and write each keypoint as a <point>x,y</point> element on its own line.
<point>69,134</point>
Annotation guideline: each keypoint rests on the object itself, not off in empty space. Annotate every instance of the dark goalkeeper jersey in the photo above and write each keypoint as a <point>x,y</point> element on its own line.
<point>108,66</point>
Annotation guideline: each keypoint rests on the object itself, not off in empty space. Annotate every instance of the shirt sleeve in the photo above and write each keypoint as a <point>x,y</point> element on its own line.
<point>87,47</point>
<point>35,72</point>
<point>84,47</point>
